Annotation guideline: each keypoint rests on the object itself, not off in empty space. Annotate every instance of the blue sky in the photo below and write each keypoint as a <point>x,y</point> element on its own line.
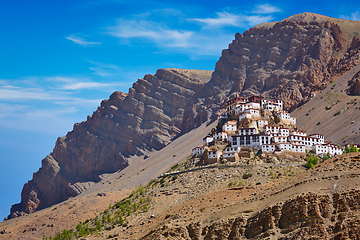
<point>59,59</point>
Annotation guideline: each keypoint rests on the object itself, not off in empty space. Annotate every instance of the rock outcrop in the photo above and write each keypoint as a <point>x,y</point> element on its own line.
<point>321,203</point>
<point>145,119</point>
<point>354,85</point>
<point>307,216</point>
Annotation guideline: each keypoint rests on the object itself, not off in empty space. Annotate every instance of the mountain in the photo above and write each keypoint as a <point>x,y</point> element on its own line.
<point>293,59</point>
<point>125,125</point>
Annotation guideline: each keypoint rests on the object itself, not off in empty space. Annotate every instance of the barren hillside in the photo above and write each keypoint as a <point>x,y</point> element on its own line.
<point>333,112</point>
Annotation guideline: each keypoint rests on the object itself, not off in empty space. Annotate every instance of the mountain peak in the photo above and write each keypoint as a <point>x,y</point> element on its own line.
<point>310,17</point>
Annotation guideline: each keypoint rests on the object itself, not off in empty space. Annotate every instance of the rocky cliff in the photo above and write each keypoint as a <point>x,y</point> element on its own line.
<point>290,60</point>
<point>307,216</point>
<point>126,124</point>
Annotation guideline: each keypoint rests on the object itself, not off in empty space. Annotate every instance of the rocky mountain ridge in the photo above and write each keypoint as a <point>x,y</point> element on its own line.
<point>292,60</point>
<point>127,124</point>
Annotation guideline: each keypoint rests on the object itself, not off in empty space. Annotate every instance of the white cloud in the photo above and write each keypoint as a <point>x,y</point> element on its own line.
<point>222,19</point>
<point>214,31</point>
<point>143,29</point>
<point>104,70</point>
<point>78,84</point>
<point>209,41</point>
<point>81,41</point>
<point>234,20</point>
<point>266,9</point>
<point>80,102</point>
<point>63,79</point>
<point>49,105</point>
<point>32,118</point>
<point>85,85</point>
<point>256,19</point>
<point>100,71</point>
<point>44,109</point>
<point>12,93</point>
<point>355,16</point>
<point>3,82</point>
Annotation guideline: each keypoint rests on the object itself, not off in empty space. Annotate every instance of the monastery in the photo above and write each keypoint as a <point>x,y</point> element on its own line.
<point>259,123</point>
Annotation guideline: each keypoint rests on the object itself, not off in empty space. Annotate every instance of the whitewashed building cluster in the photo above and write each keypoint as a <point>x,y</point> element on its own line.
<point>268,138</point>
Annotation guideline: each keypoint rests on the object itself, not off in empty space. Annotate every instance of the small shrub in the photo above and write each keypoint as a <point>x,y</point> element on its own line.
<point>311,160</point>
<point>351,148</point>
<point>318,123</point>
<point>337,113</point>
<point>326,156</point>
<point>142,190</point>
<point>175,166</point>
<point>247,175</point>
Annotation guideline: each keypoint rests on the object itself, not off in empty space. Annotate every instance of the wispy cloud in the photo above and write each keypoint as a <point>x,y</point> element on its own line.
<point>81,41</point>
<point>355,16</point>
<point>78,84</point>
<point>256,19</point>
<point>224,19</point>
<point>213,36</point>
<point>85,85</point>
<point>9,93</point>
<point>39,105</point>
<point>53,120</point>
<point>266,9</point>
<point>104,70</point>
<point>143,29</point>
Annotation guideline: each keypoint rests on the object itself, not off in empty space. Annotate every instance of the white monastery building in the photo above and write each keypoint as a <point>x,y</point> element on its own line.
<point>230,126</point>
<point>249,113</point>
<point>261,135</point>
<point>199,151</point>
<point>208,139</point>
<point>262,123</point>
<point>220,136</point>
